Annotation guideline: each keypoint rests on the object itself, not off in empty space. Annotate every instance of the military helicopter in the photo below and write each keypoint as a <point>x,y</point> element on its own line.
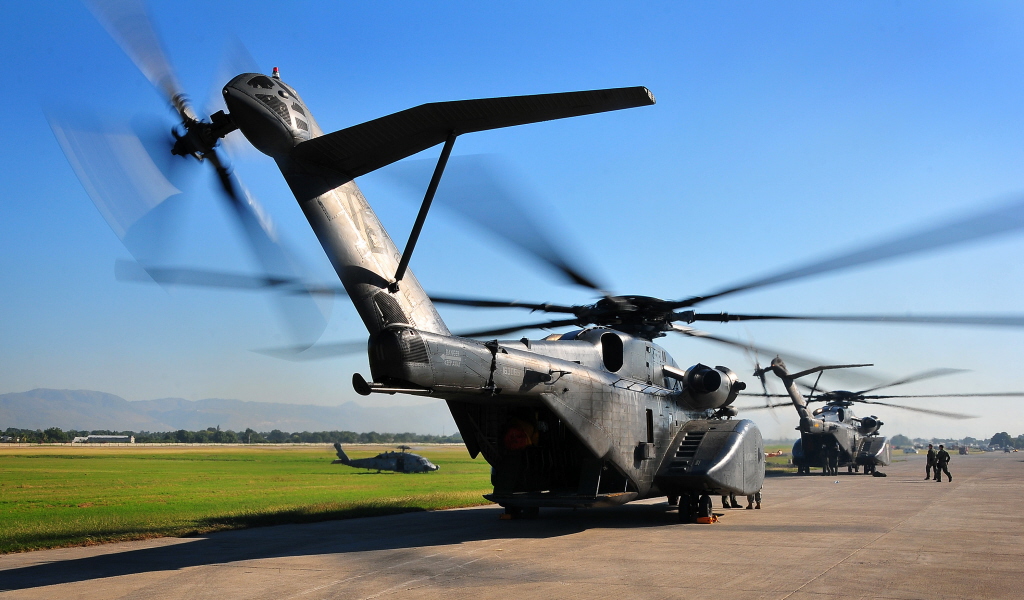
<point>399,462</point>
<point>832,436</point>
<point>598,416</point>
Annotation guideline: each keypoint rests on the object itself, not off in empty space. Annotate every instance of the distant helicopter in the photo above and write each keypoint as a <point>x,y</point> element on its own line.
<point>832,436</point>
<point>597,416</point>
<point>399,462</point>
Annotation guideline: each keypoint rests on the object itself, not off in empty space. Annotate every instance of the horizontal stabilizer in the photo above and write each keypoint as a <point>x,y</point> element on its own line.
<point>369,146</point>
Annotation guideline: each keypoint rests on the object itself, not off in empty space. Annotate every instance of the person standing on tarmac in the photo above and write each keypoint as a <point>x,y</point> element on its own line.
<point>929,463</point>
<point>752,498</point>
<point>941,462</point>
<point>833,457</point>
<point>730,499</point>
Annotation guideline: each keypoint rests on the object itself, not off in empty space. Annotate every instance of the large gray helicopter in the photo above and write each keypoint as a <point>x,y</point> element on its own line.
<point>832,436</point>
<point>598,416</point>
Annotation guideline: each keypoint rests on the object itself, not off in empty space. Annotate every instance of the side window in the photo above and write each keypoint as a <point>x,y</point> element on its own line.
<point>611,351</point>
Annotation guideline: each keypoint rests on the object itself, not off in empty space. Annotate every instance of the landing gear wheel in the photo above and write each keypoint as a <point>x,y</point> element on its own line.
<point>704,507</point>
<point>512,512</point>
<point>687,508</point>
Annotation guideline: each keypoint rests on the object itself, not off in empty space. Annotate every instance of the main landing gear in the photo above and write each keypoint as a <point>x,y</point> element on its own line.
<point>695,508</point>
<point>520,512</point>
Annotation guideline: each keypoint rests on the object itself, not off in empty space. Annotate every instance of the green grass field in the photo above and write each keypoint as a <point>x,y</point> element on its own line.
<point>52,496</point>
<point>779,465</point>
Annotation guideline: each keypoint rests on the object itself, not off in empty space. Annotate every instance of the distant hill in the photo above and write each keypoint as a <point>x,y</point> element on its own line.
<point>89,410</point>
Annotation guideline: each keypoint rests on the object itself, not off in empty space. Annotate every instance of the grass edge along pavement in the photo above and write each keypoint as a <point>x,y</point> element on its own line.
<point>60,497</point>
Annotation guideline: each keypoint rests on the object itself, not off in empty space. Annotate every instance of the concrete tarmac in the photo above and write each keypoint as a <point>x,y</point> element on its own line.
<point>850,536</point>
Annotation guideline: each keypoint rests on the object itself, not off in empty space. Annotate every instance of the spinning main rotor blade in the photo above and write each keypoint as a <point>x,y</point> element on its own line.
<point>514,328</point>
<point>982,395</point>
<point>927,411</point>
<point>790,358</point>
<point>941,372</point>
<point>764,406</point>
<point>972,320</point>
<point>478,189</point>
<point>986,223</point>
<point>543,307</point>
<point>128,22</point>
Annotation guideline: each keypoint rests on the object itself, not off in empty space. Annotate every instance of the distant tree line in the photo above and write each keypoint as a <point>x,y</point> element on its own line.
<point>1000,440</point>
<point>1003,439</point>
<point>218,436</point>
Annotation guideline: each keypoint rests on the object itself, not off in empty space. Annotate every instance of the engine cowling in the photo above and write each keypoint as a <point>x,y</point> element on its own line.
<point>869,425</point>
<point>710,387</point>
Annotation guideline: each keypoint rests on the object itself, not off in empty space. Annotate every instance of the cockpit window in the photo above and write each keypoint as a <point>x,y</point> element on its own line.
<point>834,415</point>
<point>261,81</point>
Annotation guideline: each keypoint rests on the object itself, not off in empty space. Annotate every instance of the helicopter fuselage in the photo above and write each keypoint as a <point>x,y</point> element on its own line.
<point>590,418</point>
<point>835,428</point>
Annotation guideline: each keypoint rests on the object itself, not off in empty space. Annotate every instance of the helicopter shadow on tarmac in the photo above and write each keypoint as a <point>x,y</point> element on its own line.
<point>404,531</point>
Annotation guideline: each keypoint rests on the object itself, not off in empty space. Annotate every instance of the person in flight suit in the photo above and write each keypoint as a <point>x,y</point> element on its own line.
<point>941,462</point>
<point>929,463</point>
<point>833,457</point>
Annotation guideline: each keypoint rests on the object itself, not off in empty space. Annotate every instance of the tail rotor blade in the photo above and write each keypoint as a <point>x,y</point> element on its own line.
<point>128,22</point>
<point>127,171</point>
<point>305,315</point>
<point>235,59</point>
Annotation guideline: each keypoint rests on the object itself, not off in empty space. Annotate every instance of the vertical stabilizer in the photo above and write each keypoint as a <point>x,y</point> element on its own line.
<point>341,454</point>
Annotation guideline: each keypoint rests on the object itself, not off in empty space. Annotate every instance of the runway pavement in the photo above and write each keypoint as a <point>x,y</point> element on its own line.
<point>850,536</point>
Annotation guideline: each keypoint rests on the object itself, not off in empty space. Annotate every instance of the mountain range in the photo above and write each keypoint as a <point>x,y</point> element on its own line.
<point>85,410</point>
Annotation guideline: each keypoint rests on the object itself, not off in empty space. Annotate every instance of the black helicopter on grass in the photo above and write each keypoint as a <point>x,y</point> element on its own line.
<point>597,416</point>
<point>399,462</point>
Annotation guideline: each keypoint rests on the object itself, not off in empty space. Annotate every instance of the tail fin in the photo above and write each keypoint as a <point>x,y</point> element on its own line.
<point>341,454</point>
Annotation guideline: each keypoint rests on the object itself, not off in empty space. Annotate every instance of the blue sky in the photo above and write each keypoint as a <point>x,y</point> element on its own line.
<point>783,132</point>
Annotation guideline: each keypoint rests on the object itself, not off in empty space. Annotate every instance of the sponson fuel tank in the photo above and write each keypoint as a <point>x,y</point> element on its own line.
<point>713,456</point>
